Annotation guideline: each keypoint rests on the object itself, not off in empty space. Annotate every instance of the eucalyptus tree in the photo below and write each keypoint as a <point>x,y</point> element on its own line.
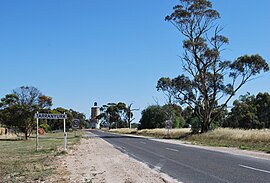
<point>250,112</point>
<point>17,109</point>
<point>114,114</point>
<point>208,78</point>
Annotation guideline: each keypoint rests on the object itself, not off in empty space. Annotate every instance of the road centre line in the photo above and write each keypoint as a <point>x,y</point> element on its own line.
<point>257,169</point>
<point>175,150</point>
<point>143,142</point>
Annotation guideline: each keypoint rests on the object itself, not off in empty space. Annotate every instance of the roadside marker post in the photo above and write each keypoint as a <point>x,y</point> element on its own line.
<point>65,134</point>
<point>37,135</point>
<point>52,116</point>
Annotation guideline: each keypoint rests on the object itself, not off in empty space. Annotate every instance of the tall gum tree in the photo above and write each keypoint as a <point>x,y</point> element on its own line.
<point>208,78</point>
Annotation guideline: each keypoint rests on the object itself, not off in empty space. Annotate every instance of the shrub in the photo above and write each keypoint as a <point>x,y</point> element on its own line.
<point>45,127</point>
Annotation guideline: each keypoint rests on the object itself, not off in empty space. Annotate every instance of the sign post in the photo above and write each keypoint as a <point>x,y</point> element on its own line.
<point>52,116</point>
<point>75,125</point>
<point>65,134</point>
<point>37,135</point>
<point>169,124</point>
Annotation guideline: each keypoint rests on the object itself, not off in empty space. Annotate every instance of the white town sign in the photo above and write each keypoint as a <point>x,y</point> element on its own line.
<point>50,116</point>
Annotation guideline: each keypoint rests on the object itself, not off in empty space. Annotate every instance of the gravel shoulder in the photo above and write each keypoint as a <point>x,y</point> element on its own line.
<point>97,160</point>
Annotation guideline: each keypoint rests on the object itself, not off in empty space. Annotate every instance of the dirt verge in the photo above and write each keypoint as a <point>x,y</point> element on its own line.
<point>98,161</point>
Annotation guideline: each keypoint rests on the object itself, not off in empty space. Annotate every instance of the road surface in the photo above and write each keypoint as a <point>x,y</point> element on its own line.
<point>188,164</point>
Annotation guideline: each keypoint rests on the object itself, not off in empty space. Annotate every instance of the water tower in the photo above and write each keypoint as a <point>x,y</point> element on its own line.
<point>94,121</point>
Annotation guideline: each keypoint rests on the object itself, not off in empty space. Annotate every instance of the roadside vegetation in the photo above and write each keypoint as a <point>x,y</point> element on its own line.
<point>176,133</point>
<point>20,162</point>
<point>243,139</point>
<point>18,108</point>
<point>224,137</point>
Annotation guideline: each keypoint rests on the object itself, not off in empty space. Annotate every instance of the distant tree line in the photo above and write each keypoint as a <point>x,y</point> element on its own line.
<point>17,111</point>
<point>248,112</point>
<point>155,116</point>
<point>116,115</point>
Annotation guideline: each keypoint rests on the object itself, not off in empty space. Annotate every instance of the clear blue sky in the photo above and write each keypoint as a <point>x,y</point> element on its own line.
<point>82,51</point>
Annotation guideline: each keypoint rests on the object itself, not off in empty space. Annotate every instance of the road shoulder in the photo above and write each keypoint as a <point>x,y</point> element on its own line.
<point>97,160</point>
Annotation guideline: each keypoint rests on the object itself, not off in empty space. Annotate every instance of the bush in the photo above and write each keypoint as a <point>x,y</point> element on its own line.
<point>178,121</point>
<point>195,125</point>
<point>45,127</point>
<point>152,117</point>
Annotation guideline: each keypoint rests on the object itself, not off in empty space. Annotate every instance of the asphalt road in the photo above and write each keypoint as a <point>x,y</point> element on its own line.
<point>188,164</point>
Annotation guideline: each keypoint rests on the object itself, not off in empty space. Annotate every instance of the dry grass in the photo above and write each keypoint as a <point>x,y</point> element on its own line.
<point>239,134</point>
<point>124,130</point>
<point>158,132</point>
<point>20,162</point>
<point>226,137</point>
<point>2,131</point>
<point>243,139</point>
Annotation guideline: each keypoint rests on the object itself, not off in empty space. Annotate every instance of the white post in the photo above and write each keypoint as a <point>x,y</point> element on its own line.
<point>130,118</point>
<point>65,134</point>
<point>37,135</point>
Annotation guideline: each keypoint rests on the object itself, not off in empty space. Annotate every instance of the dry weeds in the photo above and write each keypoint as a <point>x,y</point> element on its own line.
<point>243,139</point>
<point>158,132</point>
<point>239,134</point>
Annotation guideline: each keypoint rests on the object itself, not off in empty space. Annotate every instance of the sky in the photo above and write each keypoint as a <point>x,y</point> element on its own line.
<point>85,51</point>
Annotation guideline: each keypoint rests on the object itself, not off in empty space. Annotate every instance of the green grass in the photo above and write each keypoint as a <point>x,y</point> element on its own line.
<point>20,162</point>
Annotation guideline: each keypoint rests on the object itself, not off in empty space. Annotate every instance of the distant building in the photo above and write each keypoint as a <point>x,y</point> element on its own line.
<point>94,121</point>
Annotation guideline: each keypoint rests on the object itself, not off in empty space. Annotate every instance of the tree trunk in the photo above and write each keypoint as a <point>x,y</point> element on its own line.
<point>204,128</point>
<point>26,134</point>
<point>205,125</point>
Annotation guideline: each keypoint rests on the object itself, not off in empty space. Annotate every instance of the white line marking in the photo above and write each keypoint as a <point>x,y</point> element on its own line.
<point>248,167</point>
<point>175,150</point>
<point>157,168</point>
<point>142,142</point>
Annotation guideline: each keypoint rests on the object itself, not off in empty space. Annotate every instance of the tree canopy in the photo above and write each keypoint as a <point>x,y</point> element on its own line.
<point>154,116</point>
<point>19,107</point>
<point>210,81</point>
<point>250,112</point>
<point>116,115</point>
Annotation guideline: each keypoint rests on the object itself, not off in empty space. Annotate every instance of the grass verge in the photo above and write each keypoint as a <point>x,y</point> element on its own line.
<point>242,139</point>
<point>19,161</point>
<point>158,132</point>
<point>222,137</point>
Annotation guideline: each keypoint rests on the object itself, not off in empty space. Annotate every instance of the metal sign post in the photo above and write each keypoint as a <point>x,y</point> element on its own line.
<point>65,134</point>
<point>37,135</point>
<point>75,125</point>
<point>169,124</point>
